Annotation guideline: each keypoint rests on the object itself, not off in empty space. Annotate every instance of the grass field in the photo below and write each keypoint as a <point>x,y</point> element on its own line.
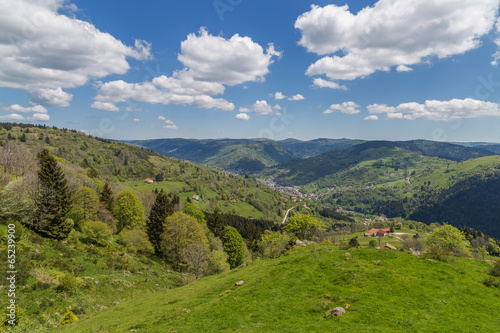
<point>387,290</point>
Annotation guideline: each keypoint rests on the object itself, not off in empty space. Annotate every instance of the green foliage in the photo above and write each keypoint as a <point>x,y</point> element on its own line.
<point>303,225</point>
<point>353,242</point>
<point>445,241</point>
<point>129,211</point>
<point>69,283</point>
<point>84,206</point>
<point>53,202</point>
<point>162,208</point>
<point>273,244</point>
<point>68,318</point>
<point>180,230</point>
<point>197,258</point>
<point>372,243</point>
<point>214,222</point>
<point>495,270</point>
<point>194,211</point>
<point>234,246</point>
<point>7,319</point>
<point>217,263</point>
<point>107,197</point>
<point>95,232</point>
<point>137,241</point>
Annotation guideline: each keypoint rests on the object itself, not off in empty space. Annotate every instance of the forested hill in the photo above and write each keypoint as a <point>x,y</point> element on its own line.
<point>91,161</point>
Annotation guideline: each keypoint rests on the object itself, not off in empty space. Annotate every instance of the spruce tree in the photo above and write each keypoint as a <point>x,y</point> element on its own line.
<point>107,197</point>
<point>53,201</point>
<point>162,208</point>
<point>214,222</point>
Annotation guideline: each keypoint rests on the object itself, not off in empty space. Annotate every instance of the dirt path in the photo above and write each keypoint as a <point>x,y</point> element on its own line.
<point>286,215</point>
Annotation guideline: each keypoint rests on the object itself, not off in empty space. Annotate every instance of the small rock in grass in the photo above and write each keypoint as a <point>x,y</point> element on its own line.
<point>338,311</point>
<point>239,283</point>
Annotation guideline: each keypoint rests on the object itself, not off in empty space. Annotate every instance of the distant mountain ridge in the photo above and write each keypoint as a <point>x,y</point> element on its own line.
<point>255,155</point>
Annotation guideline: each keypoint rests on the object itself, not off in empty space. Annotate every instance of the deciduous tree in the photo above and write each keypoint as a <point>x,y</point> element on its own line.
<point>303,225</point>
<point>234,246</point>
<point>129,211</point>
<point>445,241</point>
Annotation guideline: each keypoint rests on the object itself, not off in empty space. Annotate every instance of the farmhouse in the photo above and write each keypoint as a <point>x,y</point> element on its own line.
<point>148,181</point>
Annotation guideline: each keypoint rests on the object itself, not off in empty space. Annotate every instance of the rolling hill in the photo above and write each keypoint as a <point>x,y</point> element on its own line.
<point>296,292</point>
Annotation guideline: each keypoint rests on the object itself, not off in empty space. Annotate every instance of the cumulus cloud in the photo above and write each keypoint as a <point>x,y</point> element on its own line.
<point>43,51</point>
<point>229,61</point>
<point>137,119</point>
<point>346,107</point>
<point>25,109</point>
<point>162,118</point>
<point>211,63</point>
<point>403,68</point>
<point>277,107</point>
<point>438,110</point>
<point>297,97</point>
<point>371,118</point>
<point>13,116</point>
<point>261,107</point>
<point>279,95</point>
<point>322,83</point>
<point>104,106</point>
<point>242,116</point>
<point>18,117</point>
<point>391,33</point>
<point>131,109</point>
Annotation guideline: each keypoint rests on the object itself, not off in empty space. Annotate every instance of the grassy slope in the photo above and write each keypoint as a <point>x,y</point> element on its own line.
<point>389,291</point>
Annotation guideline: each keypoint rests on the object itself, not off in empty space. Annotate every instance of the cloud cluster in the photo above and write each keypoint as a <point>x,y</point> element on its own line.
<point>297,97</point>
<point>391,33</point>
<point>259,107</point>
<point>39,113</point>
<point>169,124</point>
<point>346,107</point>
<point>438,110</point>
<point>242,116</point>
<point>43,51</point>
<point>211,63</point>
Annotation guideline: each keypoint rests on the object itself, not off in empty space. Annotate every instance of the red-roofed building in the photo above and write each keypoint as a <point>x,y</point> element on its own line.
<point>149,181</point>
<point>373,231</point>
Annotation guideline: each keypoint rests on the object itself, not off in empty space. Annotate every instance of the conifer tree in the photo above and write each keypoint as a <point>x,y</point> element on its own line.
<point>214,222</point>
<point>162,208</point>
<point>53,202</point>
<point>107,197</point>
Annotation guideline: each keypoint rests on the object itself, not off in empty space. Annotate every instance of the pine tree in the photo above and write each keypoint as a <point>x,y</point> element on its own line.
<point>214,222</point>
<point>53,202</point>
<point>23,138</point>
<point>162,208</point>
<point>107,197</point>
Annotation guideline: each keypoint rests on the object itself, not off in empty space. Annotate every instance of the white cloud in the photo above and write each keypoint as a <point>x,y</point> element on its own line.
<point>137,119</point>
<point>131,109</point>
<point>13,116</point>
<point>279,95</point>
<point>297,97</point>
<point>371,118</point>
<point>319,82</point>
<point>261,107</point>
<point>25,109</point>
<point>242,116</point>
<point>439,110</point>
<point>162,118</point>
<point>43,51</point>
<point>173,127</point>
<point>40,117</point>
<point>168,121</point>
<point>277,107</point>
<point>391,33</point>
<point>104,106</point>
<point>228,61</point>
<point>51,97</point>
<point>244,109</point>
<point>403,68</point>
<point>346,107</point>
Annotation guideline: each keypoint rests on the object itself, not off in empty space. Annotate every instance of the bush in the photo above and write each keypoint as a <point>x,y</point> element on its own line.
<point>217,263</point>
<point>137,241</point>
<point>495,270</point>
<point>19,315</point>
<point>69,283</point>
<point>491,282</point>
<point>372,243</point>
<point>95,232</point>
<point>68,318</point>
<point>353,242</point>
<point>272,244</point>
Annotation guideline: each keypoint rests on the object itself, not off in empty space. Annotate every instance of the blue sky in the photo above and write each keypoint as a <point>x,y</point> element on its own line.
<point>388,69</point>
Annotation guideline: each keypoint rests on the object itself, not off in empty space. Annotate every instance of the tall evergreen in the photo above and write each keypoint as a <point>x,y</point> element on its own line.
<point>53,201</point>
<point>107,197</point>
<point>162,208</point>
<point>215,223</point>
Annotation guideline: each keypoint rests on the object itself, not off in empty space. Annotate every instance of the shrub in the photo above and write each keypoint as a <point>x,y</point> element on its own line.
<point>68,318</point>
<point>353,242</point>
<point>95,232</point>
<point>272,244</point>
<point>372,243</point>
<point>69,283</point>
<point>217,263</point>
<point>137,241</point>
<point>446,240</point>
<point>491,282</point>
<point>19,315</point>
<point>495,270</point>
